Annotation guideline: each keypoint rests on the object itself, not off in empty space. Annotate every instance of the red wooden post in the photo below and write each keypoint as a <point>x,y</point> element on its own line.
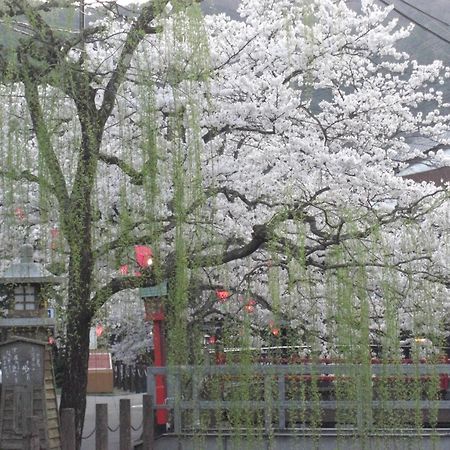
<point>154,309</point>
<point>159,361</point>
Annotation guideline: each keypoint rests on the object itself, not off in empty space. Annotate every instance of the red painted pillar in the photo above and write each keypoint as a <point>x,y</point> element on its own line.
<point>159,360</point>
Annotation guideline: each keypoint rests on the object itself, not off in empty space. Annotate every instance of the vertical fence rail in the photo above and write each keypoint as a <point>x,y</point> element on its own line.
<point>195,396</point>
<point>276,401</point>
<point>281,399</point>
<point>101,426</point>
<point>130,378</point>
<point>125,424</point>
<point>148,417</point>
<point>68,429</point>
<point>177,421</point>
<point>268,400</point>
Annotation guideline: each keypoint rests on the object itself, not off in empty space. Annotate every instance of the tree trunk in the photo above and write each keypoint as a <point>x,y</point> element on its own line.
<point>79,315</point>
<point>74,385</point>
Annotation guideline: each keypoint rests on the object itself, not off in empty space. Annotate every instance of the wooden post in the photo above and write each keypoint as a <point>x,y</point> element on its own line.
<point>101,426</point>
<point>148,422</point>
<point>125,424</point>
<point>32,440</point>
<point>68,429</point>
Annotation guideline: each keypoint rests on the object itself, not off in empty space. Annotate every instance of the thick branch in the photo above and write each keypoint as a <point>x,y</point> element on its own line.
<point>116,285</point>
<point>260,236</point>
<point>134,38</point>
<point>137,177</point>
<point>26,175</point>
<point>13,8</point>
<point>45,144</point>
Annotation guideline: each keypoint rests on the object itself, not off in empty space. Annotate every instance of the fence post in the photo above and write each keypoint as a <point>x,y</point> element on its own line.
<point>195,396</point>
<point>148,422</point>
<point>125,424</point>
<point>132,378</point>
<point>126,377</point>
<point>32,440</point>
<point>268,403</point>
<point>68,429</point>
<point>281,400</point>
<point>116,374</point>
<point>177,418</point>
<point>101,426</point>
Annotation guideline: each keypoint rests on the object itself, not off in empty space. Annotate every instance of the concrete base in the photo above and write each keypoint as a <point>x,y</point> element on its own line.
<point>306,440</point>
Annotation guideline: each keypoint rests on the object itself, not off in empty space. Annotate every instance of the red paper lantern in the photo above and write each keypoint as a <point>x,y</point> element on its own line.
<point>274,329</point>
<point>222,294</point>
<point>212,339</point>
<point>250,306</point>
<point>99,329</point>
<point>144,255</point>
<point>20,214</point>
<point>123,269</point>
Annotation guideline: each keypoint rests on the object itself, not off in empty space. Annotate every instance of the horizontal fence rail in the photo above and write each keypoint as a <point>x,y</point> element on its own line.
<point>185,385</point>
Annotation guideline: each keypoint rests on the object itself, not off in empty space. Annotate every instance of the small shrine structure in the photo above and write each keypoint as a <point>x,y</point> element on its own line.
<point>28,404</point>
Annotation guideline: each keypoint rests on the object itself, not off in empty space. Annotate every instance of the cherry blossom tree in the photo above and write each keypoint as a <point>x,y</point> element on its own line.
<point>257,156</point>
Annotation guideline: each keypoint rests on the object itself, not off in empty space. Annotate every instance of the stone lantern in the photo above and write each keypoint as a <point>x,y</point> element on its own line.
<point>28,396</point>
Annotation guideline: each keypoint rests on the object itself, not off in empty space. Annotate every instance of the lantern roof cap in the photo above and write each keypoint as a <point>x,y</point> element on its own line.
<point>28,271</point>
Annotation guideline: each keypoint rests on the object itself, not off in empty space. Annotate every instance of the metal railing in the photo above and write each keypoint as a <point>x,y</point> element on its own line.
<point>272,383</point>
<point>130,377</point>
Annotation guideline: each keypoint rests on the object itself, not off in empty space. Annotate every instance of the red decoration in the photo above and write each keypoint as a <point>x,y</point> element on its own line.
<point>54,232</point>
<point>249,308</point>
<point>273,329</point>
<point>222,294</point>
<point>51,340</point>
<point>99,329</point>
<point>123,269</point>
<point>143,255</point>
<point>212,339</point>
<point>20,214</point>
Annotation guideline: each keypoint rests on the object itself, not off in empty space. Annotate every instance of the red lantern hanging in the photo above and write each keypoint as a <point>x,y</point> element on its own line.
<point>123,269</point>
<point>99,329</point>
<point>274,329</point>
<point>144,256</point>
<point>212,340</point>
<point>54,233</point>
<point>249,308</point>
<point>222,295</point>
<point>20,214</point>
